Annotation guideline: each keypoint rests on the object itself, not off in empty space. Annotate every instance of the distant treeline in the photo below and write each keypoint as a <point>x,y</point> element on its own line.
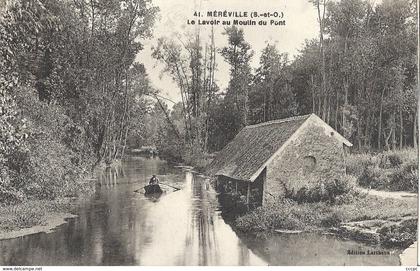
<point>360,76</point>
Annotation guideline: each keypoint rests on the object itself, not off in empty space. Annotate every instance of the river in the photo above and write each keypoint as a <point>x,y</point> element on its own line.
<point>119,226</point>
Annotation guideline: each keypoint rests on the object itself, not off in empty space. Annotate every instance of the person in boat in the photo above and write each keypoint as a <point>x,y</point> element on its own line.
<point>154,180</point>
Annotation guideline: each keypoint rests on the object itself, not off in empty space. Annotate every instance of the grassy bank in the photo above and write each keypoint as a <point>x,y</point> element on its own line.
<point>392,221</point>
<point>291,215</point>
<point>340,207</point>
<point>33,213</point>
<point>36,210</point>
<point>391,170</point>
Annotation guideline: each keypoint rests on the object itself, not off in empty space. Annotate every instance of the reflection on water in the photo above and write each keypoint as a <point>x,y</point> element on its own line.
<point>316,249</point>
<point>185,228</point>
<point>120,227</point>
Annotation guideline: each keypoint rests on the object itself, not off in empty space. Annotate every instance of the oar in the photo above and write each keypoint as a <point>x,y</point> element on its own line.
<point>176,188</point>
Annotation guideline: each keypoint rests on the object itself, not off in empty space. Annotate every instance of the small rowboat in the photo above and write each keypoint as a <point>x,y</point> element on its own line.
<point>152,189</point>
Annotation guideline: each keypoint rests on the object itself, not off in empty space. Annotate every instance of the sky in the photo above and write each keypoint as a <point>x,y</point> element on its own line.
<point>301,24</point>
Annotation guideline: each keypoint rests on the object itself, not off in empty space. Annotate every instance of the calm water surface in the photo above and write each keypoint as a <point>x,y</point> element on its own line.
<point>121,227</point>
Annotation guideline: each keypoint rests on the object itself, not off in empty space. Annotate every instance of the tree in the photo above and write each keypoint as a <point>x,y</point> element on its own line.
<point>192,68</point>
<point>238,54</point>
<point>271,96</point>
<point>321,10</point>
<point>69,90</point>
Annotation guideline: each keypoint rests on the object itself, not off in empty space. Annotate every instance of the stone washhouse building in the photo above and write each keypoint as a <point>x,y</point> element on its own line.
<point>265,160</point>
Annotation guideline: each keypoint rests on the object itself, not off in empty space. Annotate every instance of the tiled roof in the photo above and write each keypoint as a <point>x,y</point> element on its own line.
<point>252,147</point>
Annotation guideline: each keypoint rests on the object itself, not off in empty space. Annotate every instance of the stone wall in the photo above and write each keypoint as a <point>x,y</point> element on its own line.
<point>312,156</point>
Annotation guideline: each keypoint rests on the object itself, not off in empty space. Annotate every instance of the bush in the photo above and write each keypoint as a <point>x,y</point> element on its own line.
<point>327,191</point>
<point>356,163</point>
<point>391,170</point>
<point>404,178</point>
<point>392,159</point>
<point>285,214</point>
<point>408,156</point>
<point>22,215</point>
<point>29,218</point>
<point>345,185</point>
<point>50,171</point>
<point>332,219</point>
<point>52,162</point>
<point>196,157</point>
<point>9,194</point>
<point>374,177</point>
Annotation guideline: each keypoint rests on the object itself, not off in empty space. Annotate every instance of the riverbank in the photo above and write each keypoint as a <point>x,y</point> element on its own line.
<point>51,221</point>
<point>389,222</point>
<point>35,216</point>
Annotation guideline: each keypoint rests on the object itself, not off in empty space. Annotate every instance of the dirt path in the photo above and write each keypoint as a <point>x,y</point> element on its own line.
<point>393,195</point>
<point>409,256</point>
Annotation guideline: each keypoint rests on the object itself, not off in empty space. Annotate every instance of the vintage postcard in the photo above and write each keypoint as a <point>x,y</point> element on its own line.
<point>142,133</point>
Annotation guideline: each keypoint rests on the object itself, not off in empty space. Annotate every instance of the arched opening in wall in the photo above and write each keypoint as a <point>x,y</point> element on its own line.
<point>309,164</point>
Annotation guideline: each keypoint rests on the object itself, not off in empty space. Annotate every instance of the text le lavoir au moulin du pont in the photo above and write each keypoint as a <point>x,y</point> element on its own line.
<point>239,18</point>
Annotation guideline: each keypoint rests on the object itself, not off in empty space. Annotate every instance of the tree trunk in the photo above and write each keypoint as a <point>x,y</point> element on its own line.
<point>313,93</point>
<point>264,104</point>
<point>346,93</point>
<point>346,86</point>
<point>125,143</point>
<point>393,129</point>
<point>380,119</point>
<point>359,135</point>
<point>401,128</point>
<point>386,139</point>
<point>415,130</point>
<point>322,50</point>
<point>168,119</point>
<point>329,110</point>
<point>246,107</point>
<point>336,110</point>
<point>319,105</point>
<point>367,131</point>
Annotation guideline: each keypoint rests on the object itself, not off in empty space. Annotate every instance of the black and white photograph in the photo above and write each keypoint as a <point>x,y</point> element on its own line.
<point>139,133</point>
